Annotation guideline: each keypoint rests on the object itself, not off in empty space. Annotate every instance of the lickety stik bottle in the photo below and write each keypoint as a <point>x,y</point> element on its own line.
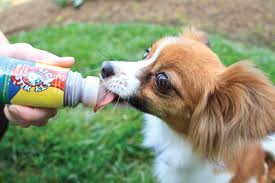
<point>40,85</point>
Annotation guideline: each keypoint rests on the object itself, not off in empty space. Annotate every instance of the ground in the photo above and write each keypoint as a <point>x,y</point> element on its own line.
<point>78,145</point>
<point>250,21</point>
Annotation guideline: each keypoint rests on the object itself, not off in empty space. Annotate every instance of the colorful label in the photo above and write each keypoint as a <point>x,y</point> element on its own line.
<point>31,83</point>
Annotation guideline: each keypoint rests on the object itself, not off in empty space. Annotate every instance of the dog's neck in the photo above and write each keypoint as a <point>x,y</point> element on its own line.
<point>174,152</point>
<point>160,137</point>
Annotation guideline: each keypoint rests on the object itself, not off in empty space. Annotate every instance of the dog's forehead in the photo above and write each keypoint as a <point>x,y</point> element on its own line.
<point>160,45</point>
<point>183,52</point>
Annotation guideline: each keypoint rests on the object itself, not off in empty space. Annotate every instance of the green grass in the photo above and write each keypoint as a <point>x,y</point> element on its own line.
<point>79,146</point>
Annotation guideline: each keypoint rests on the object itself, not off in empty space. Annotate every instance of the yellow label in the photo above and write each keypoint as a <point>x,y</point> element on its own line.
<point>36,85</point>
<point>52,98</point>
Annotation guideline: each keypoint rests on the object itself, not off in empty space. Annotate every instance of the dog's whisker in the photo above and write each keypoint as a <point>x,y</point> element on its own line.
<point>101,56</point>
<point>96,69</point>
<point>112,55</point>
<point>116,104</point>
<point>102,59</point>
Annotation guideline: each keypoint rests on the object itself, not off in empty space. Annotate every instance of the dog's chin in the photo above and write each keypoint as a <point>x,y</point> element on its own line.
<point>113,98</point>
<point>132,101</point>
<point>139,103</point>
<point>106,97</point>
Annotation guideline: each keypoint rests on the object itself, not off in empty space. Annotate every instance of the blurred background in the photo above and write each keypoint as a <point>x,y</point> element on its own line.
<point>251,21</point>
<point>80,146</point>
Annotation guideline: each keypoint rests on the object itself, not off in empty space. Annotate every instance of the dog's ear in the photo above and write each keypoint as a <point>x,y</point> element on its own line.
<point>195,34</point>
<point>238,110</point>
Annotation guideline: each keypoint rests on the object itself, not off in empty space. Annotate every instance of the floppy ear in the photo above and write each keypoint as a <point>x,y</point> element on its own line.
<point>239,110</point>
<point>195,34</point>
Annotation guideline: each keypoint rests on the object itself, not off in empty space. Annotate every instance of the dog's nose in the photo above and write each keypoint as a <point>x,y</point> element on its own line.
<point>107,70</point>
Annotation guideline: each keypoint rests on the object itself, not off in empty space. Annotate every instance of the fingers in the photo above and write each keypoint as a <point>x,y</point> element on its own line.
<point>66,62</point>
<point>25,51</point>
<point>48,58</point>
<point>28,116</point>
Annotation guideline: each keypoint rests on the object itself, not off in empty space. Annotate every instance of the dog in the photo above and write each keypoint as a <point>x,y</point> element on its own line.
<point>204,121</point>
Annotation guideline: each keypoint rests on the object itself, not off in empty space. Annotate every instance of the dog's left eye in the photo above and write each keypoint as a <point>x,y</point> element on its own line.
<point>163,82</point>
<point>146,53</point>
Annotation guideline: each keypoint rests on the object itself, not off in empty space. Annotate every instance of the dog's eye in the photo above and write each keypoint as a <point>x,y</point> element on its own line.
<point>163,82</point>
<point>146,53</point>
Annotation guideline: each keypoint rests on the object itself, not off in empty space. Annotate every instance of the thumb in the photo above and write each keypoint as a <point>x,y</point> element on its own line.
<point>46,57</point>
<point>27,52</point>
<point>66,62</point>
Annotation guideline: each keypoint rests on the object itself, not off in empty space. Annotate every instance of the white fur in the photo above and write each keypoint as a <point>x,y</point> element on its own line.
<point>126,81</point>
<point>269,144</point>
<point>253,180</point>
<point>175,161</point>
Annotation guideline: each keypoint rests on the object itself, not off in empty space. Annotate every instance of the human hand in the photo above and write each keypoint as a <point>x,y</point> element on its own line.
<point>22,115</point>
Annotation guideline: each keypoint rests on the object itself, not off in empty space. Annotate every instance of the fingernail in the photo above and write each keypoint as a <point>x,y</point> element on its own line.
<point>66,59</point>
<point>13,109</point>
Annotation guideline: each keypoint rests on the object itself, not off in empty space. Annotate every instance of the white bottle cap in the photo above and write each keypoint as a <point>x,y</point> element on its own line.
<point>89,91</point>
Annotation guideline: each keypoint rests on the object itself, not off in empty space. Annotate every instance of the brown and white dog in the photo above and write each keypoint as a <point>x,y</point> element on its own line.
<point>204,121</point>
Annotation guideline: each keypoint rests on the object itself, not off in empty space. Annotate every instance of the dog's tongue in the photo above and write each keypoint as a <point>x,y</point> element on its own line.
<point>104,99</point>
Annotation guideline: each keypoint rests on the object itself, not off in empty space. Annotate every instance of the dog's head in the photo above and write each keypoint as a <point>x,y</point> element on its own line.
<point>182,81</point>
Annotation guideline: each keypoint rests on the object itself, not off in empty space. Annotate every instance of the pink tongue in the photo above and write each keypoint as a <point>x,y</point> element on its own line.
<point>106,99</point>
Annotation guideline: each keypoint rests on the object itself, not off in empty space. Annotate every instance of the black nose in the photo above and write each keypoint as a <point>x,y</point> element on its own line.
<point>107,70</point>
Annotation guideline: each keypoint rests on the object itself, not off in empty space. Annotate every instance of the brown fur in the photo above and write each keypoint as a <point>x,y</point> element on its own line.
<point>219,109</point>
<point>270,160</point>
<point>240,109</point>
<point>223,112</point>
<point>194,34</point>
<point>271,172</point>
<point>247,164</point>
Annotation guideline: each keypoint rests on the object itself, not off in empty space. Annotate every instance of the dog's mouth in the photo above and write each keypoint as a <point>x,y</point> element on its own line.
<point>105,97</point>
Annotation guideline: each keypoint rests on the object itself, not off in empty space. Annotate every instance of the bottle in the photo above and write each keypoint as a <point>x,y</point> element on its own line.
<point>40,85</point>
